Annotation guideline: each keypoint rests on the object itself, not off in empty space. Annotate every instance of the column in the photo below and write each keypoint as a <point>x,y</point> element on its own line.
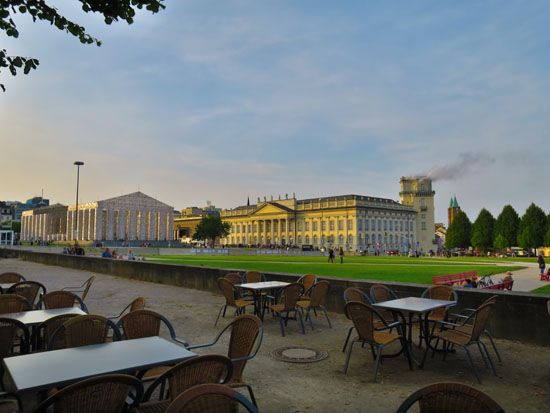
<point>132,225</point>
<point>162,226</point>
<point>271,232</point>
<point>170,223</point>
<point>287,226</point>
<point>143,228</point>
<point>152,225</point>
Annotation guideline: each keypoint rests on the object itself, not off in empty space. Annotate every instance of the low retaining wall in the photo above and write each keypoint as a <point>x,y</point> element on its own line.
<point>517,316</point>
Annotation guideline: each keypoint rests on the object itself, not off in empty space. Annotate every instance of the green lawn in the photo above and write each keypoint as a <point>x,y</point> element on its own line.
<point>403,269</point>
<point>542,290</point>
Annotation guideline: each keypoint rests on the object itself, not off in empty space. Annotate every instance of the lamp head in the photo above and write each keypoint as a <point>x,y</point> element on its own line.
<point>78,163</point>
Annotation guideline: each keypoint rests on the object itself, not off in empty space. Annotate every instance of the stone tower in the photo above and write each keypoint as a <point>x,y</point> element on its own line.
<point>417,192</point>
<point>453,210</point>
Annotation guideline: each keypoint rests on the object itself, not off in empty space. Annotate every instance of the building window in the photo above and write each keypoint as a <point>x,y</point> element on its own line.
<point>341,240</point>
<point>350,224</point>
<point>379,222</point>
<point>299,225</point>
<point>299,239</point>
<point>350,240</point>
<point>314,225</point>
<point>391,225</point>
<point>423,226</point>
<point>360,225</point>
<point>315,240</point>
<point>307,239</point>
<point>306,226</point>
<point>323,226</point>
<point>410,225</point>
<point>340,225</point>
<point>331,225</point>
<point>423,216</point>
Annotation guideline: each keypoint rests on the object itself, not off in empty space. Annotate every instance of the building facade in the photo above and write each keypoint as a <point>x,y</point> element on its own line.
<point>131,217</point>
<point>187,220</point>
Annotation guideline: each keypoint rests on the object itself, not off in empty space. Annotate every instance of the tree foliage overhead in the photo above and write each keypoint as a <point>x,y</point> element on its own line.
<point>482,231</point>
<point>506,226</point>
<point>211,227</point>
<point>532,228</point>
<point>112,11</point>
<point>459,232</point>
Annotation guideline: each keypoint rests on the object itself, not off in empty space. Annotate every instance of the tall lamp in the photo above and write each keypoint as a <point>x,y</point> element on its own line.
<point>78,164</point>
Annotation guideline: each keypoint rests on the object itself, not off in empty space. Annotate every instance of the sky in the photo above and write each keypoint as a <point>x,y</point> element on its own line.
<point>218,101</point>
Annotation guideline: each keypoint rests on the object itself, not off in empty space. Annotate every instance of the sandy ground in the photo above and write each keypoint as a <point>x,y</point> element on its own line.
<point>522,385</point>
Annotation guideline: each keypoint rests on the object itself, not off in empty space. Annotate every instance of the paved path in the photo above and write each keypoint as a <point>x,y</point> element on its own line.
<point>527,279</point>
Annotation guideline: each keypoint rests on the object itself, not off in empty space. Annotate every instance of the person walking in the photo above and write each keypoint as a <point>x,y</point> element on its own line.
<point>341,255</point>
<point>330,255</point>
<point>542,264</point>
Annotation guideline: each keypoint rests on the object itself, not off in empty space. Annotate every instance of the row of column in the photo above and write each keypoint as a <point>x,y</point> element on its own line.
<point>263,231</point>
<point>83,229</point>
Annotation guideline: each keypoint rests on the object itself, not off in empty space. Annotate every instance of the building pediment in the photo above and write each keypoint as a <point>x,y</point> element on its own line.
<point>272,208</point>
<point>135,199</point>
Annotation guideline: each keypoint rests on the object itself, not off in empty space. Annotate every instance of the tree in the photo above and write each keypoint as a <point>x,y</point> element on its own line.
<point>112,10</point>
<point>500,242</point>
<point>482,231</point>
<point>459,232</point>
<point>211,227</point>
<point>532,228</point>
<point>547,236</point>
<point>506,226</point>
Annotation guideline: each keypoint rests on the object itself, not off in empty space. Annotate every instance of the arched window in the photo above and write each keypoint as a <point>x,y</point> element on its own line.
<point>350,239</point>
<point>341,240</point>
<point>315,240</point>
<point>307,239</point>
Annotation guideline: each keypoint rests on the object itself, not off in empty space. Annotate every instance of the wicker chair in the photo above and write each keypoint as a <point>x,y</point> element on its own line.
<point>363,317</point>
<point>214,369</point>
<point>84,330</point>
<point>254,277</point>
<point>42,334</point>
<point>233,277</point>
<point>229,292</point>
<point>11,278</point>
<point>290,296</point>
<point>358,296</point>
<point>13,303</point>
<point>211,398</point>
<point>136,304</point>
<point>317,295</point>
<point>380,293</point>
<point>437,292</point>
<point>61,299</point>
<point>10,402</point>
<point>466,328</point>
<point>102,394</point>
<point>450,398</point>
<point>451,336</point>
<point>14,339</point>
<point>31,290</point>
<point>308,281</point>
<point>84,288</point>
<point>244,342</point>
<point>145,323</point>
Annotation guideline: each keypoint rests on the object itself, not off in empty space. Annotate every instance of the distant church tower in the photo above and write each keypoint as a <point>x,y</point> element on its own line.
<point>453,210</point>
<point>418,193</point>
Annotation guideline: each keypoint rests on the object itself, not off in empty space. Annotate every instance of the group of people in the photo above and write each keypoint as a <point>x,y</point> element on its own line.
<point>114,255</point>
<point>331,254</point>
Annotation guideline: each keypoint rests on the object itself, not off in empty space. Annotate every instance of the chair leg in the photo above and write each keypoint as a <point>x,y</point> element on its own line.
<point>424,357</point>
<point>252,398</point>
<point>347,339</point>
<point>301,321</point>
<point>482,355</point>
<point>377,363</point>
<point>308,316</point>
<point>326,316</point>
<point>472,364</point>
<point>348,355</point>
<point>489,358</point>
<point>405,346</point>
<point>282,323</point>
<point>494,345</point>
<point>223,307</point>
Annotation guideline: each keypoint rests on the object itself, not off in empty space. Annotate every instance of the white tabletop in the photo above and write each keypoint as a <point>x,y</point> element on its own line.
<point>414,304</point>
<point>39,316</point>
<point>5,287</point>
<point>41,371</point>
<point>264,285</point>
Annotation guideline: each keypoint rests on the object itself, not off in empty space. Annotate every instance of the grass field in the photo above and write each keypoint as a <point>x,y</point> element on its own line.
<point>403,269</point>
<point>542,290</point>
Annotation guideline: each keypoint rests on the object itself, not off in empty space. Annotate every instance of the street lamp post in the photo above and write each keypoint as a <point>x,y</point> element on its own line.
<point>78,164</point>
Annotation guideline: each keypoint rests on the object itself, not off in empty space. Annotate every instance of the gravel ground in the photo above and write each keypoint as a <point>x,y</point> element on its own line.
<point>522,385</point>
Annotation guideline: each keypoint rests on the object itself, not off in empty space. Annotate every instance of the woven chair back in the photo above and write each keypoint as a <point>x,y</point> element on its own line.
<point>450,398</point>
<point>227,290</point>
<point>291,295</point>
<point>233,277</point>
<point>380,292</point>
<point>11,278</point>
<point>85,330</point>
<point>439,292</point>
<point>13,303</point>
<point>212,368</point>
<point>362,316</point>
<point>140,324</point>
<point>253,277</point>
<point>307,281</point>
<point>50,326</point>
<point>318,293</point>
<point>12,332</point>
<point>137,304</point>
<point>244,332</point>
<point>481,318</point>
<point>59,299</point>
<point>355,294</point>
<point>28,289</point>
<point>210,398</point>
<point>101,394</point>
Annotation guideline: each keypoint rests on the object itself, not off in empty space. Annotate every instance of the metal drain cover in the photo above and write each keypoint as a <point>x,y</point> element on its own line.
<point>298,354</point>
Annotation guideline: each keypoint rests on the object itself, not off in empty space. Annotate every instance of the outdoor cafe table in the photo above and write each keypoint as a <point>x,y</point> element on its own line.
<point>411,306</point>
<point>35,317</point>
<point>4,287</point>
<point>257,289</point>
<point>42,371</point>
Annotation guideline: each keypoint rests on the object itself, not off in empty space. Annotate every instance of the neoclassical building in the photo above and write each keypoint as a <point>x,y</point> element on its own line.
<point>353,222</point>
<point>131,217</point>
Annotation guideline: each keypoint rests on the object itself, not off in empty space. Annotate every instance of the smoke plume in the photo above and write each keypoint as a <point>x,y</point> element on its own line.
<point>466,164</point>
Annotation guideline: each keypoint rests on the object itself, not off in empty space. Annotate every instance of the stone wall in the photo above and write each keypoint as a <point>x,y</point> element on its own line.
<point>517,316</point>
